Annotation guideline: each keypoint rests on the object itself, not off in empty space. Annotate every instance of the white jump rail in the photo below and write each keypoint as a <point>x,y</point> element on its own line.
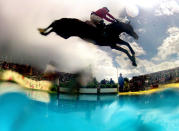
<point>108,90</point>
<point>90,90</point>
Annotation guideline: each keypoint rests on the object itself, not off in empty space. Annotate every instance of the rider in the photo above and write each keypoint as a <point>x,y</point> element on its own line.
<point>98,16</point>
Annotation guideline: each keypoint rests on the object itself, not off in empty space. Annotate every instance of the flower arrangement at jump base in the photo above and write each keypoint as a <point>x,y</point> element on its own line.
<point>8,75</point>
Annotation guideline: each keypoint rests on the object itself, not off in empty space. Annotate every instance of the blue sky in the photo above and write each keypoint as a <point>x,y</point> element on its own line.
<point>156,22</point>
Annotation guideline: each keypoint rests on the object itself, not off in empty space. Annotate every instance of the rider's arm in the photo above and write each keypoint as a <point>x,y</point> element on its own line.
<point>110,16</point>
<point>109,20</point>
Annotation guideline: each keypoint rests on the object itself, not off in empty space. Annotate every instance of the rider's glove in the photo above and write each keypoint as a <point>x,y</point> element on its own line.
<point>115,20</point>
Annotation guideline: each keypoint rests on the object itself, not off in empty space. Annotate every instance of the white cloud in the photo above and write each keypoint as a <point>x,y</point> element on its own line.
<point>169,46</point>
<point>20,20</point>
<point>19,38</point>
<point>161,66</point>
<point>141,30</point>
<point>147,67</point>
<point>167,7</point>
<point>138,49</point>
<point>132,10</point>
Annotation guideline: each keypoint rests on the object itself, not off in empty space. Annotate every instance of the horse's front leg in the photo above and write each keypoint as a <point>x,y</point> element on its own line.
<point>121,42</point>
<point>132,58</point>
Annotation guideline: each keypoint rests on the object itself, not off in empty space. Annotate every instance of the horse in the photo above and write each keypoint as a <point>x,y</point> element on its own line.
<point>109,36</point>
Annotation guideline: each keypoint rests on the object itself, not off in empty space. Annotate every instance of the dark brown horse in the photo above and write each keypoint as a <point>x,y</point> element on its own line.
<point>109,36</point>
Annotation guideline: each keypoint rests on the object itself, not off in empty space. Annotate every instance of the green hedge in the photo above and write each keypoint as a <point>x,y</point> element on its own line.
<point>54,87</point>
<point>71,83</point>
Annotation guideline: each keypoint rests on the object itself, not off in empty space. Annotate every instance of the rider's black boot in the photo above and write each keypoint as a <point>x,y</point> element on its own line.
<point>100,25</point>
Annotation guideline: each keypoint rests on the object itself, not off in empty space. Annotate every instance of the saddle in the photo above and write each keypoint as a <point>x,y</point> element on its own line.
<point>101,26</point>
<point>90,23</point>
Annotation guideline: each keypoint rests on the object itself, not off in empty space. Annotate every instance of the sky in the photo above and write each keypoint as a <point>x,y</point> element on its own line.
<point>155,21</point>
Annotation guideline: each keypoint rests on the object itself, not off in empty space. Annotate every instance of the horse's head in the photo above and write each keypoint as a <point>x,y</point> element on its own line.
<point>129,30</point>
<point>119,27</point>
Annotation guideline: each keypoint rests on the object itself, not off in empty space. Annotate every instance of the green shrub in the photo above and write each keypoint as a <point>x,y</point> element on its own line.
<point>54,87</point>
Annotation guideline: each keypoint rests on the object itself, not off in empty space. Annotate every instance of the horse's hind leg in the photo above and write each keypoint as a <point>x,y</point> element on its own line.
<point>43,31</point>
<point>132,58</point>
<point>46,33</point>
<point>121,42</point>
<point>50,26</point>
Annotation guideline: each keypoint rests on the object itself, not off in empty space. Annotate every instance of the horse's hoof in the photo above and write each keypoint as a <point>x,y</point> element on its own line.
<point>134,64</point>
<point>41,30</point>
<point>134,61</point>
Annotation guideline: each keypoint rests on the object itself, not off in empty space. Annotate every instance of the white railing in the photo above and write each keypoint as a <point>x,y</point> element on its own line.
<point>90,90</point>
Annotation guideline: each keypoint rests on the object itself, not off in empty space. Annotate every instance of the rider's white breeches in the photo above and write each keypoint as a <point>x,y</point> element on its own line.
<point>95,19</point>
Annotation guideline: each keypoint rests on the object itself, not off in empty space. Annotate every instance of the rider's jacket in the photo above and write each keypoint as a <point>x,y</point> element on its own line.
<point>103,13</point>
